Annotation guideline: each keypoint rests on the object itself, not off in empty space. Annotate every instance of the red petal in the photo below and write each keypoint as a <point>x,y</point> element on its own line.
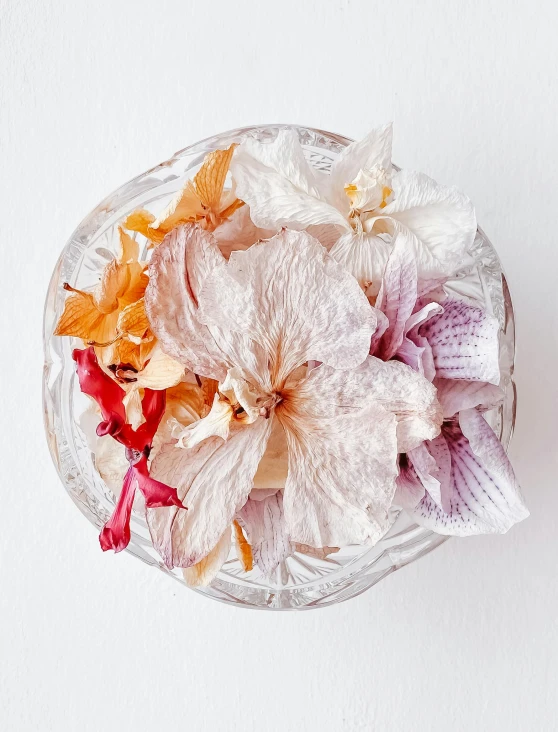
<point>106,392</point>
<point>156,494</point>
<point>116,532</point>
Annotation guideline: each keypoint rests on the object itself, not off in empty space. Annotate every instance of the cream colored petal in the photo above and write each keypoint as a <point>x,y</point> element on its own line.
<point>364,256</point>
<point>373,150</point>
<point>178,270</point>
<point>111,462</point>
<point>133,406</point>
<point>290,297</point>
<point>342,472</point>
<point>216,424</point>
<point>238,391</point>
<point>161,371</point>
<point>278,185</point>
<point>327,392</point>
<point>274,465</point>
<point>213,480</point>
<point>202,573</point>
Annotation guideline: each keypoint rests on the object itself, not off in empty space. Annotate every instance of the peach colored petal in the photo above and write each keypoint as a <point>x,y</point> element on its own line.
<point>210,179</point>
<point>243,548</point>
<point>133,319</point>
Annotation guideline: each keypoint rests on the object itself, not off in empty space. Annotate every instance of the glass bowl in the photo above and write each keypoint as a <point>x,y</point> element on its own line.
<point>302,581</point>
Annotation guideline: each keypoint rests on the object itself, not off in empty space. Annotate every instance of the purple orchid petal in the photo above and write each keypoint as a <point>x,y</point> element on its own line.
<point>464,343</point>
<point>484,496</point>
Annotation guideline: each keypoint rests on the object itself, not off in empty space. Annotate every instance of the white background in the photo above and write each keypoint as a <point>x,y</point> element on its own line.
<point>93,93</point>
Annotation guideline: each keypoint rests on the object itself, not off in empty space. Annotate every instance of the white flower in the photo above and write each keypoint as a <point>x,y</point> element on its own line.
<point>257,321</point>
<point>359,208</point>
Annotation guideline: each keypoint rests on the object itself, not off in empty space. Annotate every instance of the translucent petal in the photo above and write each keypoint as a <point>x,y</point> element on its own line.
<point>264,524</point>
<point>202,573</point>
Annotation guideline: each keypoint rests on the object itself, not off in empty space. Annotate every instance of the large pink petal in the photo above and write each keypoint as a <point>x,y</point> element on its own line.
<point>464,342</point>
<point>178,269</point>
<point>484,496</point>
<point>265,527</point>
<point>213,479</point>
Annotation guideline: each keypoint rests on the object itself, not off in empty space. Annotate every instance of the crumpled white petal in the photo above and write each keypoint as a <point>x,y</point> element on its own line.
<point>364,255</point>
<point>291,298</point>
<point>441,219</point>
<point>213,479</point>
<point>484,496</point>
<point>265,527</point>
<point>277,183</point>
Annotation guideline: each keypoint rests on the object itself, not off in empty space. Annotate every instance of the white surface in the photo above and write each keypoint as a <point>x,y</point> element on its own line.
<point>94,93</point>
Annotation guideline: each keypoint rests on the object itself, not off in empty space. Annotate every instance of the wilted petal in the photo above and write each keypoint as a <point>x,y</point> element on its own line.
<point>133,320</point>
<point>105,391</point>
<point>110,462</point>
<point>364,256</point>
<point>397,388</point>
<point>243,548</point>
<point>273,468</point>
<point>399,295</point>
<point>342,473</point>
<point>202,573</point>
<point>409,490</point>
<point>161,372</point>
<point>177,272</point>
<point>216,424</point>
<point>316,552</point>
<point>464,342</point>
<point>81,318</point>
<point>210,179</point>
<point>426,469</point>
<point>239,232</point>
<point>455,395</point>
<point>115,534</point>
<point>484,496</point>
<point>132,404</point>
<point>264,523</point>
<point>214,480</point>
<point>276,182</point>
<point>442,220</point>
<point>373,150</point>
<point>264,294</point>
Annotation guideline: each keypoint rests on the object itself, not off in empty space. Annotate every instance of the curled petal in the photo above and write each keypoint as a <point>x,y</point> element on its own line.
<point>210,180</point>
<point>464,342</point>
<point>216,424</point>
<point>264,523</point>
<point>156,494</point>
<point>409,490</point>
<point>214,478</point>
<point>483,495</point>
<point>161,372</point>
<point>133,320</point>
<point>81,318</point>
<point>364,255</point>
<point>202,573</point>
<point>105,391</point>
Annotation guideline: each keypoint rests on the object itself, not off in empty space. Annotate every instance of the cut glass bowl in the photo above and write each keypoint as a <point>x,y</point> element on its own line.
<point>300,582</point>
